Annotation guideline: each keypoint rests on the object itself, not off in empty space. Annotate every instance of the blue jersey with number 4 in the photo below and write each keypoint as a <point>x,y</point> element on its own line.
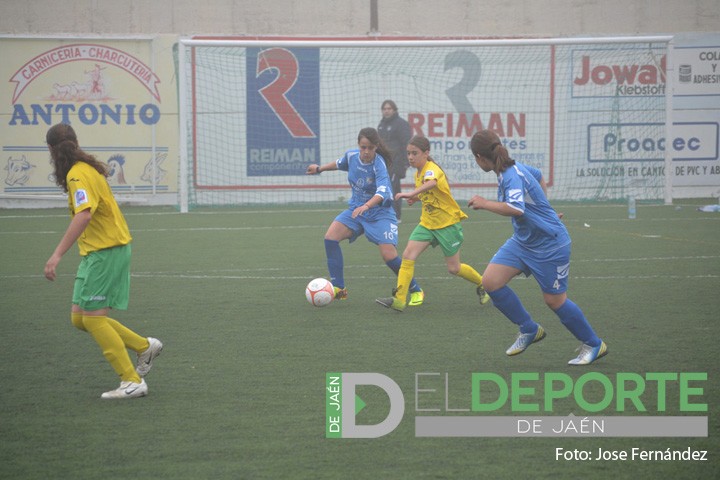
<point>366,179</point>
<point>538,228</point>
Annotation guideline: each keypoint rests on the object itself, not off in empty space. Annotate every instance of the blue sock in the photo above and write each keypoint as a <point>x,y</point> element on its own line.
<point>335,263</point>
<point>394,265</point>
<point>509,304</point>
<point>574,320</point>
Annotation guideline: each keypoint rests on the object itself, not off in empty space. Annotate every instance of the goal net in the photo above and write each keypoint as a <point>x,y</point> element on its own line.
<point>591,114</point>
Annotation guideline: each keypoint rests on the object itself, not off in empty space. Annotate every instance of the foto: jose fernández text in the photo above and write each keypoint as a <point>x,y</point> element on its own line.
<point>635,453</point>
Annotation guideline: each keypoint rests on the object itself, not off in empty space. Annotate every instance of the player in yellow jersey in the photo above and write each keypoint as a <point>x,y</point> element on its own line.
<point>103,276</point>
<point>439,225</point>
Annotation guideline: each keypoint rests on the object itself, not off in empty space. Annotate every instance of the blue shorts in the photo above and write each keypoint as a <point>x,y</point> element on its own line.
<point>379,225</point>
<point>549,269</point>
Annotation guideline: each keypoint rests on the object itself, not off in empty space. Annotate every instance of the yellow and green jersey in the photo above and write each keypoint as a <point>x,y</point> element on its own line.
<point>88,189</point>
<point>439,208</point>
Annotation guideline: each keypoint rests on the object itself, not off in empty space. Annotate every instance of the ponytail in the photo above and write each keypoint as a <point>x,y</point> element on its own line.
<point>486,144</point>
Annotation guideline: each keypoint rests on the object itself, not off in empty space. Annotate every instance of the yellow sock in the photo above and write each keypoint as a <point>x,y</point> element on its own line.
<point>470,274</point>
<point>77,320</point>
<point>132,340</point>
<point>112,347</point>
<point>407,268</point>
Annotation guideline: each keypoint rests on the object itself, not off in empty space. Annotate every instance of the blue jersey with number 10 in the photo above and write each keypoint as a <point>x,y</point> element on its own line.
<point>366,179</point>
<point>538,228</point>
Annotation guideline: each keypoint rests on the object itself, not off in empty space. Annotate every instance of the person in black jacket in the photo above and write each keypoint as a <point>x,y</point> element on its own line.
<point>396,133</point>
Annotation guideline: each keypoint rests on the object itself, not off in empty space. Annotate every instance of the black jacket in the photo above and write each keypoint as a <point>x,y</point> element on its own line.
<point>396,134</point>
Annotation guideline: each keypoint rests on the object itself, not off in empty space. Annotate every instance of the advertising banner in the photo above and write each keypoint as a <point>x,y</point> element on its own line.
<point>119,96</point>
<point>592,117</point>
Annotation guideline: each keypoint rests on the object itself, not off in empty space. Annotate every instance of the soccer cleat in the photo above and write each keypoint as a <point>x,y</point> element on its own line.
<point>524,340</point>
<point>483,295</point>
<point>145,359</point>
<point>416,298</point>
<point>391,302</point>
<point>589,354</point>
<point>340,293</point>
<point>127,390</point>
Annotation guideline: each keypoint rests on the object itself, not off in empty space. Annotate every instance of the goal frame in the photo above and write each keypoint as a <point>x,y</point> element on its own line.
<point>189,43</point>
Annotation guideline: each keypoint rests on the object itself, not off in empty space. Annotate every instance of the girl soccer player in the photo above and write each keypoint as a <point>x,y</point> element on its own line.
<point>103,276</point>
<point>439,225</point>
<point>539,246</point>
<point>369,209</point>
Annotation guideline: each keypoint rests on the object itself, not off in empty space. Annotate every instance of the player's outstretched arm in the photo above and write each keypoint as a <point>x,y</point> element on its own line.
<point>315,169</point>
<point>481,203</point>
<point>413,197</point>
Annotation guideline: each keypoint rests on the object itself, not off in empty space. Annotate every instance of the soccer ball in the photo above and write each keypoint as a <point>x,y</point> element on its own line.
<point>319,292</point>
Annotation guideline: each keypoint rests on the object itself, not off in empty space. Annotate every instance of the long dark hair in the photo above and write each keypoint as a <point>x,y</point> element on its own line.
<point>65,152</point>
<point>487,144</point>
<point>374,137</point>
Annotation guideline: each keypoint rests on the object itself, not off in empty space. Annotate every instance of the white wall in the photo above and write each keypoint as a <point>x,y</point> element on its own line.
<point>688,20</point>
<point>352,17</point>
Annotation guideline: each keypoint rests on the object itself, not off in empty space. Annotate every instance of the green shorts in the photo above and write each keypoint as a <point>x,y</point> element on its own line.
<point>103,279</point>
<point>449,238</point>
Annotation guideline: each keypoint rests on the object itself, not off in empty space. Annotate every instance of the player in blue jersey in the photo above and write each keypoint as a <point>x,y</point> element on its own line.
<point>370,209</point>
<point>540,245</point>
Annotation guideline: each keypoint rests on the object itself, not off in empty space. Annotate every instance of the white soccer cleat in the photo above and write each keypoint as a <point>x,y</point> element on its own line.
<point>145,359</point>
<point>589,354</point>
<point>524,340</point>
<point>127,390</point>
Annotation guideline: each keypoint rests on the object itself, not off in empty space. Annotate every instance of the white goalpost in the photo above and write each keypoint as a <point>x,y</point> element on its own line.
<point>592,113</point>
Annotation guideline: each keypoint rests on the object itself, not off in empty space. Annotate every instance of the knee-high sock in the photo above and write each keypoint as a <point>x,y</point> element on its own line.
<point>395,265</point>
<point>335,263</point>
<point>132,340</point>
<point>574,320</point>
<point>509,304</point>
<point>407,267</point>
<point>470,274</point>
<point>77,320</point>
<point>112,347</point>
